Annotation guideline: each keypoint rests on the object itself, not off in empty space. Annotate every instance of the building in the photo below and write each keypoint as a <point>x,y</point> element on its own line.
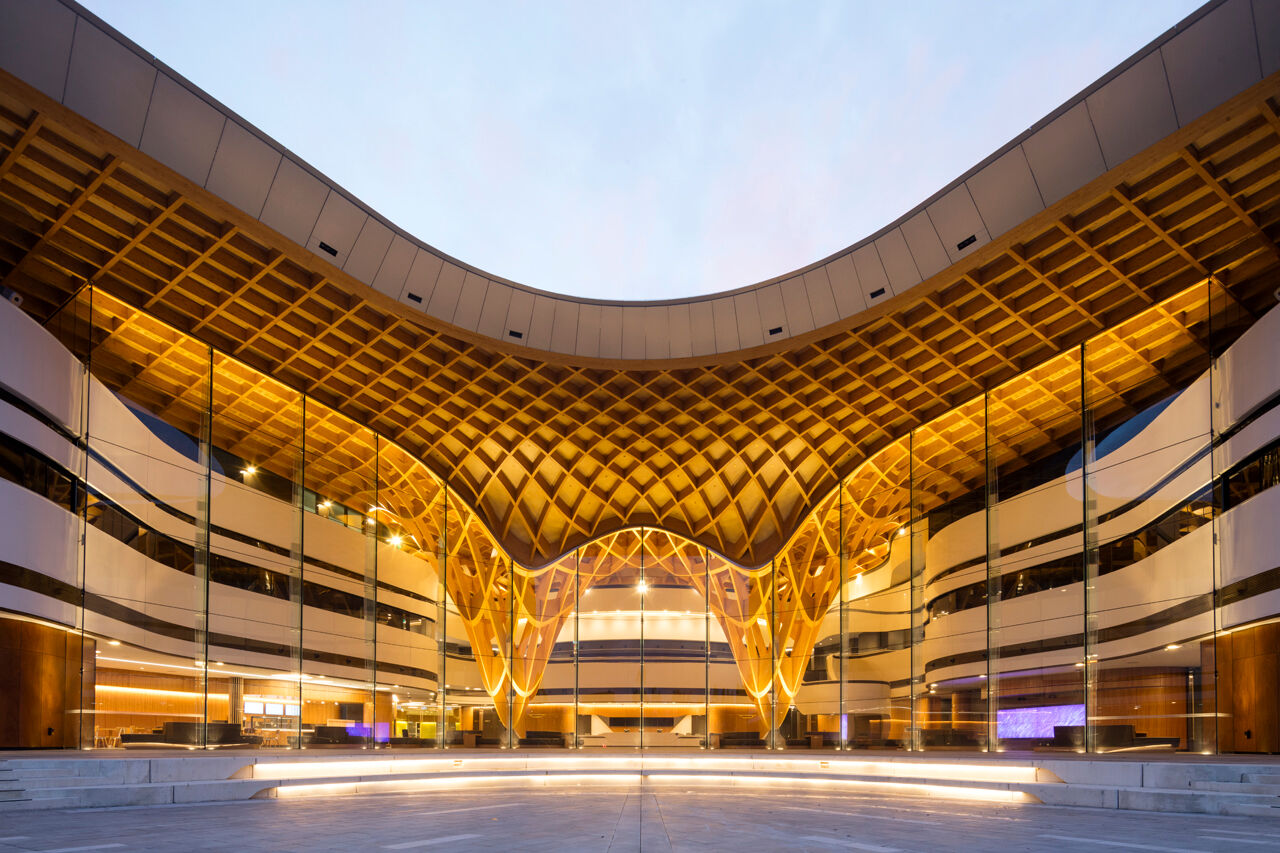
<point>999,476</point>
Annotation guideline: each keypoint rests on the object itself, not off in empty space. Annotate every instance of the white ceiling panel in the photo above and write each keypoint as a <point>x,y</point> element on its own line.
<point>821,301</point>
<point>541,323</point>
<point>340,223</point>
<point>925,245</point>
<point>958,224</point>
<point>772,313</point>
<point>1266,19</point>
<point>872,279</point>
<point>657,332</point>
<point>588,342</point>
<point>1133,111</point>
<point>294,201</point>
<point>35,43</point>
<point>747,312</point>
<point>896,259</point>
<point>702,333</point>
<point>108,83</point>
<point>394,269</point>
<point>564,329</point>
<point>1005,193</point>
<point>1064,154</point>
<point>678,318</point>
<point>610,331</point>
<point>633,332</point>
<point>726,324</point>
<point>371,247</point>
<point>444,298</point>
<point>182,130</point>
<point>493,317</point>
<point>243,169</point>
<point>421,281</point>
<point>844,286</point>
<point>470,301</point>
<point>1212,60</point>
<point>795,302</point>
<point>519,316</point>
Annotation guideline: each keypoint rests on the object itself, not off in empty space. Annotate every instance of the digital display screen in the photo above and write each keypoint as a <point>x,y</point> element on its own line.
<point>275,709</point>
<point>253,707</point>
<point>1037,722</point>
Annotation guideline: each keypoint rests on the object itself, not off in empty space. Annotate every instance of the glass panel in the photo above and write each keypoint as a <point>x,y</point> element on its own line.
<point>145,552</point>
<point>613,587</point>
<point>741,681</point>
<point>1035,581</point>
<point>675,643</point>
<point>949,497</point>
<point>545,651</point>
<point>255,571</point>
<point>341,525</point>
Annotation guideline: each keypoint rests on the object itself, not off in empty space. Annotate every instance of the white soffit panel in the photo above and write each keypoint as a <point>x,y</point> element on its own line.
<point>108,83</point>
<point>772,313</point>
<point>610,331</point>
<point>182,130</point>
<point>588,342</point>
<point>897,261</point>
<point>338,227</point>
<point>821,301</point>
<point>370,248</point>
<point>1064,154</point>
<point>633,332</point>
<point>925,245</point>
<point>243,169</point>
<point>702,328</point>
<point>493,317</point>
<point>1005,193</point>
<point>564,329</point>
<point>726,323</point>
<point>1266,21</point>
<point>844,286</point>
<point>444,298</point>
<point>1133,111</point>
<point>958,224</point>
<point>747,311</point>
<point>394,269</point>
<point>35,43</point>
<point>1212,60</point>
<point>294,201</point>
<point>871,276</point>
<point>678,318</point>
<point>544,316</point>
<point>519,316</point>
<point>470,301</point>
<point>421,282</point>
<point>657,332</point>
<point>795,302</point>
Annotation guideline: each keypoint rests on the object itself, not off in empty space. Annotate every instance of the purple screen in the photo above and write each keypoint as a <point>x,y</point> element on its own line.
<point>1037,722</point>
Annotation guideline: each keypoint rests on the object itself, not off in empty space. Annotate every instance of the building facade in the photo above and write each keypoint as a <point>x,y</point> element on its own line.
<point>1000,476</point>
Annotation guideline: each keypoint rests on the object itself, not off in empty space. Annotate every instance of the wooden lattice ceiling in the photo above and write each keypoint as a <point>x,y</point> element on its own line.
<point>732,452</point>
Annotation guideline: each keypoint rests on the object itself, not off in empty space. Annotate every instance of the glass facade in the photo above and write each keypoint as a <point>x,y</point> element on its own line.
<point>1082,558</point>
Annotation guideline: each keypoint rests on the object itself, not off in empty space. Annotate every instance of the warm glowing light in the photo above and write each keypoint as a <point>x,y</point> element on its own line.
<point>326,504</point>
<point>113,642</point>
<point>1172,646</point>
<point>642,587</point>
<point>1080,665</point>
<point>395,540</point>
<point>248,470</point>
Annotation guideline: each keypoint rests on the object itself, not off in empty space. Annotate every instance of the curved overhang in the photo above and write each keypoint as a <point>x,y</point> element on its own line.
<point>77,59</point>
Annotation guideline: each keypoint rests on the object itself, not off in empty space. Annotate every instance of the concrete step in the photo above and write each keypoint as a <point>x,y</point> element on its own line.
<point>1263,778</point>
<point>1237,787</point>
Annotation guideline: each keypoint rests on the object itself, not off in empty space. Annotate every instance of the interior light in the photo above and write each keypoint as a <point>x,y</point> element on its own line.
<point>326,504</point>
<point>395,540</point>
<point>113,642</point>
<point>642,587</point>
<point>1172,646</point>
<point>248,470</point>
<point>1079,664</point>
<point>760,620</point>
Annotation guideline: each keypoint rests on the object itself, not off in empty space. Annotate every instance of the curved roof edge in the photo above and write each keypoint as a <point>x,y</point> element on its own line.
<point>71,55</point>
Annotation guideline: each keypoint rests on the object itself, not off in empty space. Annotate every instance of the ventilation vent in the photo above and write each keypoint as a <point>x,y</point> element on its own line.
<point>325,247</point>
<point>517,335</point>
<point>877,293</point>
<point>776,330</point>
<point>967,241</point>
<point>413,297</point>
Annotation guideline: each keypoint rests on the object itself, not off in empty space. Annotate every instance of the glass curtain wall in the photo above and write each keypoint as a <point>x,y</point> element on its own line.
<point>613,585</point>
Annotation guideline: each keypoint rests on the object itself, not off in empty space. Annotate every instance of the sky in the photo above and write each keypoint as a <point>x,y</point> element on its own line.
<point>642,150</point>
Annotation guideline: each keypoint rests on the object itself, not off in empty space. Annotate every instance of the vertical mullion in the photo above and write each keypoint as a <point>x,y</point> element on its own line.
<point>992,497</point>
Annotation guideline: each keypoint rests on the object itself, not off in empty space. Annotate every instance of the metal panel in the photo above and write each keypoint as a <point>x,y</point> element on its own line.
<point>564,330</point>
<point>470,301</point>
<point>681,342</point>
<point>294,202</point>
<point>444,298</point>
<point>544,316</point>
<point>772,314</point>
<point>339,224</point>
<point>108,83</point>
<point>1212,60</point>
<point>243,169</point>
<point>702,337</point>
<point>821,300</point>
<point>925,245</point>
<point>1064,154</point>
<point>519,315</point>
<point>182,130</point>
<point>588,342</point>
<point>872,279</point>
<point>795,302</point>
<point>493,317</point>
<point>747,311</point>
<point>726,324</point>
<point>633,332</point>
<point>35,43</point>
<point>610,331</point>
<point>657,333</point>
<point>370,248</point>
<point>1133,111</point>
<point>896,259</point>
<point>844,286</point>
<point>958,224</point>
<point>394,269</point>
<point>421,282</point>
<point>1005,193</point>
<point>1266,21</point>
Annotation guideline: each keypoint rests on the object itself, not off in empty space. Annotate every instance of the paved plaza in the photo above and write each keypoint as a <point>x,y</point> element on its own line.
<point>628,819</point>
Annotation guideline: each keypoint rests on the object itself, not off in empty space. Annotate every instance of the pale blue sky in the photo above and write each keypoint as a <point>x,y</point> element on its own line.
<point>645,150</point>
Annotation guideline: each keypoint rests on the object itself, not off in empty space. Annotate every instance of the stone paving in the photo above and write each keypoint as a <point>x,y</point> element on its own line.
<point>628,818</point>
